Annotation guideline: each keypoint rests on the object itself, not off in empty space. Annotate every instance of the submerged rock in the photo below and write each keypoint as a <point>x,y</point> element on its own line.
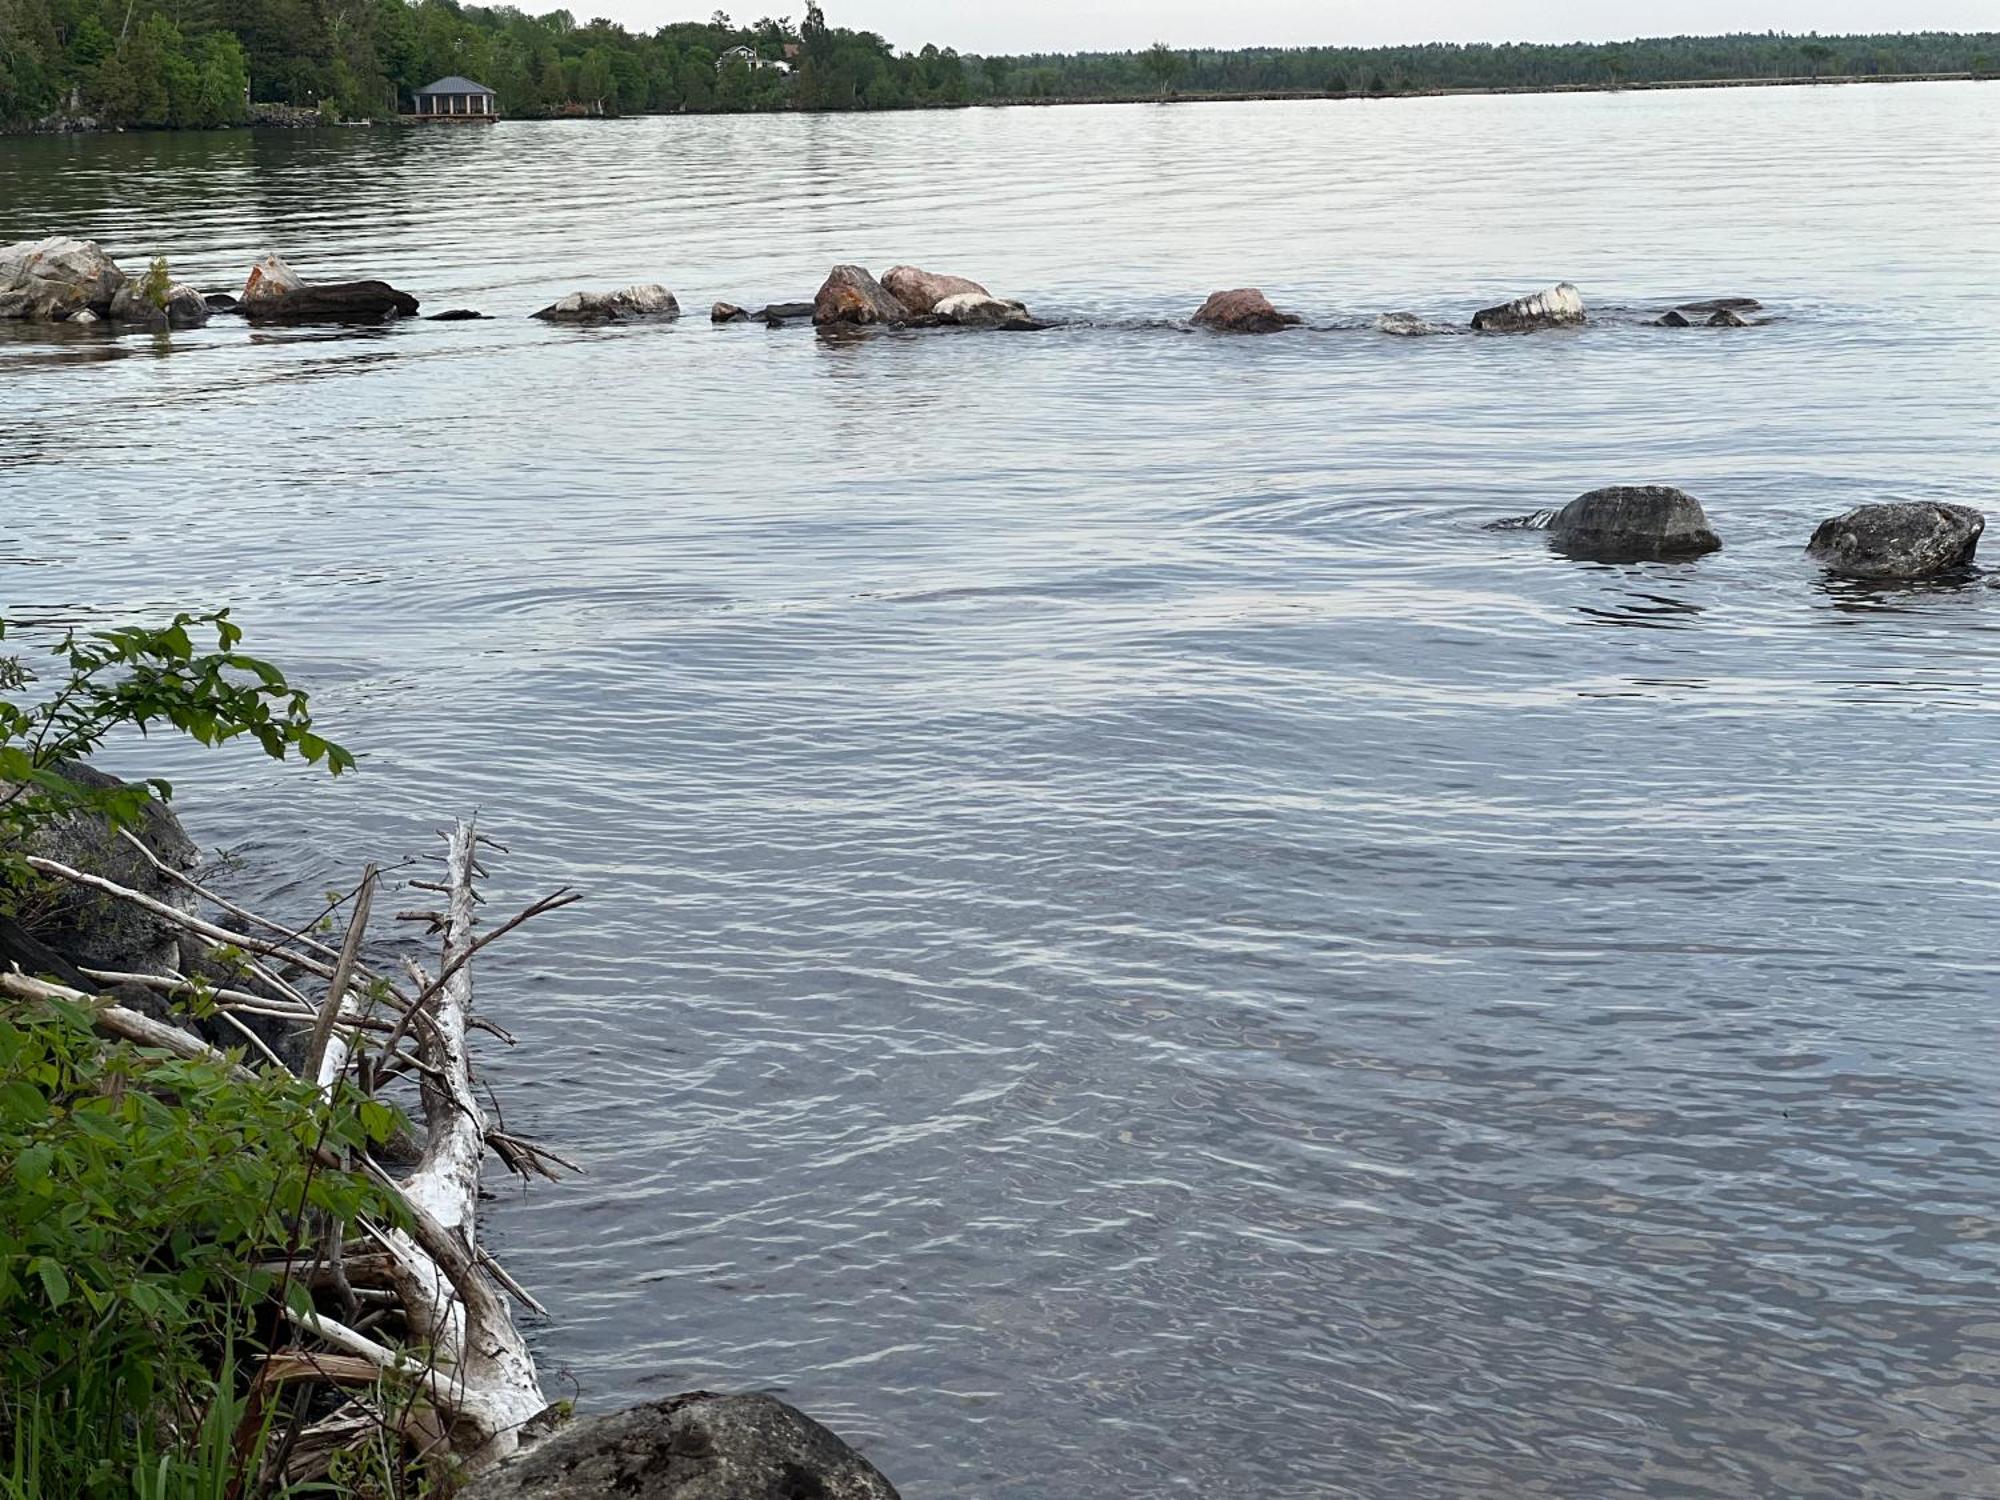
<point>1720,304</point>
<point>1672,318</point>
<point>1914,539</point>
<point>694,1447</point>
<point>457,315</point>
<point>1405,325</point>
<point>851,295</point>
<point>629,304</point>
<point>977,310</point>
<point>333,302</point>
<point>727,312</point>
<point>220,302</point>
<point>46,281</point>
<point>776,313</point>
<point>1243,310</point>
<point>1559,305</point>
<point>1725,317</point>
<point>1629,523</point>
<point>922,291</point>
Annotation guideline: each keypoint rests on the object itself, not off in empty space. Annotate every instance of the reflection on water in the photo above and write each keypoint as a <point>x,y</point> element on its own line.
<point>1132,945</point>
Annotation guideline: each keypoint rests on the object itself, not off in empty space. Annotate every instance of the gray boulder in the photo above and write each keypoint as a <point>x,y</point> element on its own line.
<point>47,281</point>
<point>1561,304</point>
<point>629,304</point>
<point>1920,539</point>
<point>1629,523</point>
<point>101,932</point>
<point>699,1446</point>
<point>185,307</point>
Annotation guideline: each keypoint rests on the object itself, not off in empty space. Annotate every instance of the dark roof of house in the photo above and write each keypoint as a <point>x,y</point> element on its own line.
<point>454,85</point>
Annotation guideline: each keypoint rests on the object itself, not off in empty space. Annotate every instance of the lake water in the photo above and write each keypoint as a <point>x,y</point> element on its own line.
<point>1132,948</point>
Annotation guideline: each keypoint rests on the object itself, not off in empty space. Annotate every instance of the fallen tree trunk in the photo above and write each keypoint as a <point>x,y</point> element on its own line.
<point>458,1351</point>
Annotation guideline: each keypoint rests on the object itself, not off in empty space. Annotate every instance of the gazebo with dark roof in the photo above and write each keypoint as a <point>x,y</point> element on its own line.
<point>457,99</point>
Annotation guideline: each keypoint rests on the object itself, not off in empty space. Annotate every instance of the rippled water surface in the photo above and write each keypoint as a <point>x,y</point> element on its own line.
<point>1131,946</point>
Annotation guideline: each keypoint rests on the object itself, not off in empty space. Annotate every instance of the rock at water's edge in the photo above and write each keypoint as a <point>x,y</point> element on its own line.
<point>922,291</point>
<point>1243,310</point>
<point>1631,523</point>
<point>100,932</point>
<point>694,1447</point>
<point>46,281</point>
<point>1561,304</point>
<point>625,305</point>
<point>1907,540</point>
<point>851,295</point>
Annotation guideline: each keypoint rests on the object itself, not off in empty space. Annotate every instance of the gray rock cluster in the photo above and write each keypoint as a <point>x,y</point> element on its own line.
<point>66,280</point>
<point>1904,541</point>
<point>651,302</point>
<point>694,1447</point>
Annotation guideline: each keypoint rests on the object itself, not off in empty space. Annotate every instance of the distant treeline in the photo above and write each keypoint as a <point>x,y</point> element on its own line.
<point>197,62</point>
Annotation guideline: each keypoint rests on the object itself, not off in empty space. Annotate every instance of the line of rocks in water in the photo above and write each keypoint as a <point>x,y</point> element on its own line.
<point>1901,541</point>
<point>67,280</point>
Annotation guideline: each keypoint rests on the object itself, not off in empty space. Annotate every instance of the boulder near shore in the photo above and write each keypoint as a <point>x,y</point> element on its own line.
<point>1243,310</point>
<point>1908,540</point>
<point>1560,305</point>
<point>1632,523</point>
<point>52,280</point>
<point>694,1447</point>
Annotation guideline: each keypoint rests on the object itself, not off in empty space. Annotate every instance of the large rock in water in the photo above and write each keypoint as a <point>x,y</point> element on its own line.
<point>1559,305</point>
<point>1244,310</point>
<point>627,305</point>
<point>334,302</point>
<point>101,932</point>
<point>1919,539</point>
<point>922,291</point>
<point>1629,523</point>
<point>694,1447</point>
<point>850,295</point>
<point>47,281</point>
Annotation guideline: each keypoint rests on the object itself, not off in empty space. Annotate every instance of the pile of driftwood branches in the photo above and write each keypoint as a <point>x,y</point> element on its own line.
<point>409,1331</point>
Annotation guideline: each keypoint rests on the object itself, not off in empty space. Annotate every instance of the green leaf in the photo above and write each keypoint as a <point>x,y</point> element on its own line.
<point>55,1283</point>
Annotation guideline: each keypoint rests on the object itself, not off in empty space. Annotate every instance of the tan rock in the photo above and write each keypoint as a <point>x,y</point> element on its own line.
<point>1245,310</point>
<point>851,295</point>
<point>922,291</point>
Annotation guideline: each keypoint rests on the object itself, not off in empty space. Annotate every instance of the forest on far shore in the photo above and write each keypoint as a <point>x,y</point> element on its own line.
<point>196,63</point>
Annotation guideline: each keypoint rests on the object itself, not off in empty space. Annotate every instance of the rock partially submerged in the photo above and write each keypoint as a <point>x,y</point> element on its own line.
<point>1631,523</point>
<point>1721,304</point>
<point>274,293</point>
<point>1726,317</point>
<point>1243,310</point>
<point>694,1447</point>
<point>627,305</point>
<point>978,310</point>
<point>1561,304</point>
<point>185,307</point>
<point>774,314</point>
<point>1405,325</point>
<point>851,296</point>
<point>54,279</point>
<point>1673,317</point>
<point>457,315</point>
<point>1908,540</point>
<point>921,291</point>
<point>727,312</point>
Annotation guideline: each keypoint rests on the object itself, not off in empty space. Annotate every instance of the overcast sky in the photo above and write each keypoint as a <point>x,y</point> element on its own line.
<point>1072,25</point>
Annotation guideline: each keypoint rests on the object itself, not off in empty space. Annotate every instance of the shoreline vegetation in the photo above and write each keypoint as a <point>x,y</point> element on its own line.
<point>69,65</point>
